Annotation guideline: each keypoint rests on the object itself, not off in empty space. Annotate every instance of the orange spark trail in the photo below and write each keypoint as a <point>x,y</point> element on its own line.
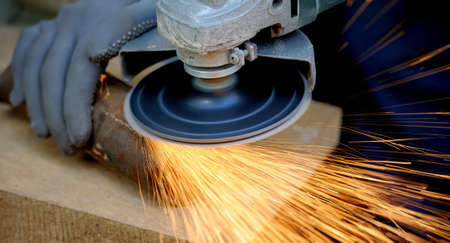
<point>356,15</point>
<point>386,8</point>
<point>411,78</point>
<point>412,62</point>
<point>390,113</point>
<point>417,102</point>
<point>380,47</point>
<point>342,47</point>
<point>382,39</point>
<point>350,3</point>
<point>391,140</point>
<point>274,191</point>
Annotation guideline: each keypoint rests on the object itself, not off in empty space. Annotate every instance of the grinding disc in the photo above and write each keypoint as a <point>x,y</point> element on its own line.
<point>269,95</point>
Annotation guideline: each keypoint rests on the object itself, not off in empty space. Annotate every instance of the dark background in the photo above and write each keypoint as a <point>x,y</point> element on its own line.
<point>413,106</point>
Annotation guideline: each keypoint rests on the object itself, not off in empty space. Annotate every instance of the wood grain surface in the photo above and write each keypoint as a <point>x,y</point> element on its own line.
<point>34,168</point>
<point>28,220</point>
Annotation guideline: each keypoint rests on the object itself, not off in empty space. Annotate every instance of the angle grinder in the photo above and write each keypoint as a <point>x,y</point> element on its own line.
<point>242,71</point>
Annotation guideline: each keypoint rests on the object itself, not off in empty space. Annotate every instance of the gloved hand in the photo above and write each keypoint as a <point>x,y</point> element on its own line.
<point>56,63</point>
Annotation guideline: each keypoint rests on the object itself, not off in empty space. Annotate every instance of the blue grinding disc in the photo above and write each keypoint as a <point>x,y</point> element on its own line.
<point>269,94</point>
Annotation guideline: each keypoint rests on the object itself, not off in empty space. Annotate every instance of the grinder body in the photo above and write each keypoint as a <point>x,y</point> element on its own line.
<point>202,97</point>
<point>206,33</point>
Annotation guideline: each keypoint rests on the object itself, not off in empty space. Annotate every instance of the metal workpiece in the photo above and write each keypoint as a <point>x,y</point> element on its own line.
<point>114,142</point>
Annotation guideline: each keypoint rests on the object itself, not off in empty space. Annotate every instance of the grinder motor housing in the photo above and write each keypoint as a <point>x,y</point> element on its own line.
<point>214,39</point>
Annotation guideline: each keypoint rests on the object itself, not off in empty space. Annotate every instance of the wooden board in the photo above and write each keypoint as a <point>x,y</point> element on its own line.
<point>28,220</point>
<point>34,168</point>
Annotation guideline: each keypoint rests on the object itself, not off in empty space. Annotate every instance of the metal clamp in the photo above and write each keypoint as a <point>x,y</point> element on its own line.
<point>238,56</point>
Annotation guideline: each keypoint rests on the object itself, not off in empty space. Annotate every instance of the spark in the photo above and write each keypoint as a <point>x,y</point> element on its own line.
<point>275,191</point>
<point>382,39</point>
<point>380,47</point>
<point>350,3</point>
<point>103,89</point>
<point>406,122</point>
<point>411,78</point>
<point>389,113</point>
<point>433,155</point>
<point>412,62</point>
<point>375,136</point>
<point>391,140</point>
<point>343,46</point>
<point>385,9</point>
<point>417,102</point>
<point>404,125</point>
<point>356,15</point>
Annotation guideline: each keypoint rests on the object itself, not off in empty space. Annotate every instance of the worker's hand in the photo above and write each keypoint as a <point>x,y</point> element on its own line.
<point>56,64</point>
